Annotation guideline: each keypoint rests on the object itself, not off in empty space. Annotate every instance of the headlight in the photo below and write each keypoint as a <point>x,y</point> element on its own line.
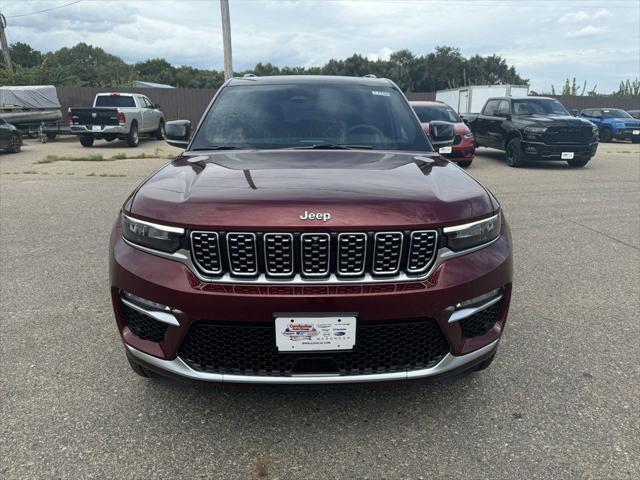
<point>462,237</point>
<point>535,130</point>
<point>151,235</point>
<point>468,135</point>
<point>618,125</point>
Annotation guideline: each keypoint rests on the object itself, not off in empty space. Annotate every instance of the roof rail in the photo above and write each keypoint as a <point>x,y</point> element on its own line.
<point>369,75</point>
<point>249,75</point>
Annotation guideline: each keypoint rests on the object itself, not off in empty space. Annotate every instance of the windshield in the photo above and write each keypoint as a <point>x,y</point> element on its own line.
<point>311,115</point>
<point>121,101</point>
<point>539,106</point>
<point>428,114</point>
<point>615,113</point>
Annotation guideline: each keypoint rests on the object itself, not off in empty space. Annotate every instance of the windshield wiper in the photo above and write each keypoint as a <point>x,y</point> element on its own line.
<point>332,146</point>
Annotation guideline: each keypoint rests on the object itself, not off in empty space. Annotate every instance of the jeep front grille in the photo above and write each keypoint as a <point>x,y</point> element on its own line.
<point>309,256</point>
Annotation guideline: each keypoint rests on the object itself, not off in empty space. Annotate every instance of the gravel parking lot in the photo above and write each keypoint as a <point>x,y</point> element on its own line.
<point>560,401</point>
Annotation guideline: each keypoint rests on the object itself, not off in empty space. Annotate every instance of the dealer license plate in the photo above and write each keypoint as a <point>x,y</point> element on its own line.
<point>96,128</point>
<point>636,132</point>
<point>567,156</point>
<point>295,334</point>
<point>445,150</point>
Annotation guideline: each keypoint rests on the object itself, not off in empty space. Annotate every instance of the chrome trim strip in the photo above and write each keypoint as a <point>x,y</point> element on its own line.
<point>373,258</point>
<point>364,263</point>
<point>457,228</point>
<point>184,257</point>
<point>164,317</point>
<point>255,253</point>
<point>157,226</point>
<point>463,313</point>
<point>195,260</point>
<point>179,368</point>
<point>435,250</point>
<point>266,263</point>
<point>319,274</point>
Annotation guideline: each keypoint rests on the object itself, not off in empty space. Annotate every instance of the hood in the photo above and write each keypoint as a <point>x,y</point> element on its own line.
<point>272,189</point>
<point>560,120</point>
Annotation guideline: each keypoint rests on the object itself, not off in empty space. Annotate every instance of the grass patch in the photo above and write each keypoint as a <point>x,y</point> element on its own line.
<point>110,175</point>
<point>119,156</point>
<point>30,172</point>
<point>86,158</point>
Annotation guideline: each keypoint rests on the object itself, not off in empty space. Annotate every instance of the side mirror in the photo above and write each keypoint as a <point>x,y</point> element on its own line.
<point>503,114</point>
<point>441,135</point>
<point>178,133</point>
<point>156,105</point>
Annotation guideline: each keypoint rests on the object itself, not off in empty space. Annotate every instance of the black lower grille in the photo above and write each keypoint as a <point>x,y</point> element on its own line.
<point>144,327</point>
<point>481,322</point>
<point>251,350</point>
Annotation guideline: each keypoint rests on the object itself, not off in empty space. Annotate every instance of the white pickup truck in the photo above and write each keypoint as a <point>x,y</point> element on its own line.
<point>125,116</point>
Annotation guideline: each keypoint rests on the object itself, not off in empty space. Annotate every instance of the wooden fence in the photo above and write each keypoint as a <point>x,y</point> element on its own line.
<point>190,103</point>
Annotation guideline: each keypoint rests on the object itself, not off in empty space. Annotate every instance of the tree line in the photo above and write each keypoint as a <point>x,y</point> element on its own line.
<point>86,65</point>
<point>445,67</point>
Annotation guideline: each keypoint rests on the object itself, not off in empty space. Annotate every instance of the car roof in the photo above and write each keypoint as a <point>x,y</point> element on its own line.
<point>428,103</point>
<point>311,79</point>
<point>528,97</point>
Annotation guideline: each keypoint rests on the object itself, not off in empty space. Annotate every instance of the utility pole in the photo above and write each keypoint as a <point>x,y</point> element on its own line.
<point>226,39</point>
<point>3,42</point>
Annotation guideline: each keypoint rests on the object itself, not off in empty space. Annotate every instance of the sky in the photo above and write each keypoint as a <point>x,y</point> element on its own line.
<point>546,40</point>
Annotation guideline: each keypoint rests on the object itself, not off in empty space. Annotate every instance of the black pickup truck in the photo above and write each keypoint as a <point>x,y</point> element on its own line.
<point>533,128</point>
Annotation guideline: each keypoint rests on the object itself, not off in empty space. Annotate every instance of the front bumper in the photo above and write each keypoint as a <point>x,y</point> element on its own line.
<point>463,151</point>
<point>627,133</point>
<point>194,302</point>
<point>543,151</point>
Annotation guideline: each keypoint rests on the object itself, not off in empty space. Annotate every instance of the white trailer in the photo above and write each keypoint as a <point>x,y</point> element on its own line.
<point>471,99</point>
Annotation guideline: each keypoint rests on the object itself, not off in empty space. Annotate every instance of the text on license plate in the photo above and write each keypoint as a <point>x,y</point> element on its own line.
<point>567,156</point>
<point>636,132</point>
<point>296,333</point>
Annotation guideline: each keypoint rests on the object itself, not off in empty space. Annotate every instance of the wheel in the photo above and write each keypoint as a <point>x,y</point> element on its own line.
<point>635,140</point>
<point>51,135</point>
<point>578,162</point>
<point>485,363</point>
<point>109,137</point>
<point>464,164</point>
<point>160,131</point>
<point>86,140</point>
<point>132,139</point>
<point>514,154</point>
<point>14,145</point>
<point>605,135</point>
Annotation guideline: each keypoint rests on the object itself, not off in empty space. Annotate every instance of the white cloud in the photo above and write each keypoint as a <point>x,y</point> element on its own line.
<point>581,16</point>
<point>382,54</point>
<point>588,31</point>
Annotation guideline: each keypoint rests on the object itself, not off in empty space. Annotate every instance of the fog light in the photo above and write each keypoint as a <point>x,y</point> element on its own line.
<point>143,302</point>
<point>480,299</point>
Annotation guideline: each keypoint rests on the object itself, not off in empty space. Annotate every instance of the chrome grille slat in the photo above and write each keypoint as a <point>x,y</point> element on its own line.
<point>315,254</point>
<point>422,250</point>
<point>278,254</point>
<point>206,248</point>
<point>242,252</point>
<point>285,256</point>
<point>352,253</point>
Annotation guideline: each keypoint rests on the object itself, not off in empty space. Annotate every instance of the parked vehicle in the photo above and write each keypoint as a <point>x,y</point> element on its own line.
<point>613,123</point>
<point>534,128</point>
<point>634,113</point>
<point>309,234</point>
<point>464,145</point>
<point>10,138</point>
<point>473,97</point>
<point>124,116</point>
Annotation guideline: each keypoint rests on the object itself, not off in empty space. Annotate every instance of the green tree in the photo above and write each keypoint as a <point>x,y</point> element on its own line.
<point>156,70</point>
<point>25,56</point>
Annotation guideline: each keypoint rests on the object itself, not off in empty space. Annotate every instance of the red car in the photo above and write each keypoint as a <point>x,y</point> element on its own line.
<point>309,234</point>
<point>464,145</point>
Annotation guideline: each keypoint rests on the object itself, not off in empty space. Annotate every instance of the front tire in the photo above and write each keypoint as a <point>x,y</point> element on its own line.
<point>513,153</point>
<point>605,135</point>
<point>578,162</point>
<point>14,145</point>
<point>86,140</point>
<point>133,140</point>
<point>465,164</point>
<point>635,140</point>
<point>160,133</point>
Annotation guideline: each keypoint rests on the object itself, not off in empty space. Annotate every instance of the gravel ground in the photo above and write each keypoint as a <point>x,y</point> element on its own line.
<point>560,401</point>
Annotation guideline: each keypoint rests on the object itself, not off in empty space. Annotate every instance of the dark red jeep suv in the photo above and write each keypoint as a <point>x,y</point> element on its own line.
<point>309,234</point>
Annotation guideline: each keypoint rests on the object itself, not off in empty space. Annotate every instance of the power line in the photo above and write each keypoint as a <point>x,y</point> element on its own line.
<point>45,10</point>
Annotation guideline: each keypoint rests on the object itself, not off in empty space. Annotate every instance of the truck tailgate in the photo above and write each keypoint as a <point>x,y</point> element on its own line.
<point>94,116</point>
